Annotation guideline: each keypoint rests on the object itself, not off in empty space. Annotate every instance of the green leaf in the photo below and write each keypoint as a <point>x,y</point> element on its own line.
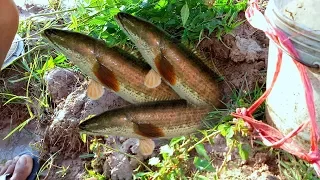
<point>110,2</point>
<point>202,151</point>
<point>230,133</point>
<point>83,137</point>
<point>84,156</point>
<point>59,59</point>
<point>184,14</point>
<point>176,140</point>
<point>74,21</point>
<point>226,130</point>
<point>223,129</point>
<point>154,161</point>
<point>243,151</point>
<point>97,21</point>
<point>113,11</point>
<point>48,65</point>
<point>203,164</point>
<point>161,4</point>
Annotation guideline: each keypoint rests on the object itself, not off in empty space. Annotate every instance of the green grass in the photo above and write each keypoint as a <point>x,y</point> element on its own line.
<point>293,168</point>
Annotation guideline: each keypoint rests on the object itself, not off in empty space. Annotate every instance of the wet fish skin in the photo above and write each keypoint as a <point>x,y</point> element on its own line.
<point>111,67</point>
<point>178,66</point>
<point>162,119</point>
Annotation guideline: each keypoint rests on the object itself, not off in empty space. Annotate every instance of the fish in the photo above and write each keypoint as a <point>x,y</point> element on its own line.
<point>150,120</point>
<point>108,67</point>
<point>186,73</point>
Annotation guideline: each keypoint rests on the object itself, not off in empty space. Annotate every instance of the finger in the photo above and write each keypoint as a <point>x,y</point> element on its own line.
<point>4,169</point>
<point>12,165</point>
<point>23,168</point>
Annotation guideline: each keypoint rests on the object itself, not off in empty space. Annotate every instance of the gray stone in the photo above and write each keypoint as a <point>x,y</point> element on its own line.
<point>61,82</point>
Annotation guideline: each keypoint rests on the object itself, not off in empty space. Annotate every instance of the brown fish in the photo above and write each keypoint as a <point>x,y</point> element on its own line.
<point>163,119</point>
<point>187,74</point>
<point>108,67</point>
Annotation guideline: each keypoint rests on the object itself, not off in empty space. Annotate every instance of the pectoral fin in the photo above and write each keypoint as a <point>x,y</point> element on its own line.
<point>94,90</point>
<point>148,130</point>
<point>152,80</point>
<point>165,69</point>
<point>146,146</point>
<point>106,77</point>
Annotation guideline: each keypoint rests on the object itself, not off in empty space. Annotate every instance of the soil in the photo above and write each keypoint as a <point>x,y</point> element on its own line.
<point>11,113</point>
<point>240,57</point>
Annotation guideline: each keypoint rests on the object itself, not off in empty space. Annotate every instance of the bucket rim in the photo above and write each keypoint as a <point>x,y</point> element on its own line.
<point>302,29</point>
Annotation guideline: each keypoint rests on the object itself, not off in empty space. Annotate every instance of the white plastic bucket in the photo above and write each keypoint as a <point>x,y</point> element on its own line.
<point>286,106</point>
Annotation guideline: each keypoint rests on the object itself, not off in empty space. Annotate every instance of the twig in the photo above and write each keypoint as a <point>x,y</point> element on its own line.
<point>226,158</point>
<point>202,140</point>
<point>51,13</point>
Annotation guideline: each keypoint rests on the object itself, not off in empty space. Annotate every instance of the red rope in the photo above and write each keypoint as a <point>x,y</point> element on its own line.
<point>269,135</point>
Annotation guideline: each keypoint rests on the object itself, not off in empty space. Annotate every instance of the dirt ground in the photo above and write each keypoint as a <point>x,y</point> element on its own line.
<point>240,58</point>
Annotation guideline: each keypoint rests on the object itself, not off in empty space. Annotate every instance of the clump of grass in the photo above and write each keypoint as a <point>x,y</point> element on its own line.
<point>186,20</point>
<point>293,168</point>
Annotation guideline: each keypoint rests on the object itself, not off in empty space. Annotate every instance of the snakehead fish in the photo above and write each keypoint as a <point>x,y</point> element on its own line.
<point>189,76</point>
<point>145,121</point>
<point>108,66</point>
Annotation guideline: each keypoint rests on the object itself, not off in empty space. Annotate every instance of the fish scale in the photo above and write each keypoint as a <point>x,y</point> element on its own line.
<point>183,71</point>
<point>111,67</point>
<point>162,119</point>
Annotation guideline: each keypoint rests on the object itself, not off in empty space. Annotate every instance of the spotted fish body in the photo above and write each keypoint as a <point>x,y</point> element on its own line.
<point>163,119</point>
<point>111,67</point>
<point>178,66</point>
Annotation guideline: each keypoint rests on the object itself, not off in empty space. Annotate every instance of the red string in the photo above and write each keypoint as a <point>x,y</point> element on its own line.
<point>269,135</point>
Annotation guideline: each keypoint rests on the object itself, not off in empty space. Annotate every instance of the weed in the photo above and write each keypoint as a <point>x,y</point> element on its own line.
<point>185,20</point>
<point>293,168</point>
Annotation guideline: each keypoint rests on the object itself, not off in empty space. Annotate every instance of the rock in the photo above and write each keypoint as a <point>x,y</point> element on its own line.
<point>131,146</point>
<point>108,101</point>
<point>245,50</point>
<point>219,146</point>
<point>71,108</point>
<point>63,133</point>
<point>61,82</point>
<point>106,168</point>
<point>78,106</point>
<point>120,167</point>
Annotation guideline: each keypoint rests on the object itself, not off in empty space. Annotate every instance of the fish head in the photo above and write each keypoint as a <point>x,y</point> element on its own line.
<point>142,33</point>
<point>79,48</point>
<point>107,123</point>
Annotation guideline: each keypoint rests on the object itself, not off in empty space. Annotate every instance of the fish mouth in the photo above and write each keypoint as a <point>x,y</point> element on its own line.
<point>121,16</point>
<point>84,126</point>
<point>50,32</point>
<point>51,35</point>
<point>124,20</point>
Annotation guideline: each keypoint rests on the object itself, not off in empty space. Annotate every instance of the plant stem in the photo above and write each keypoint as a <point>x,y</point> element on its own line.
<point>203,139</point>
